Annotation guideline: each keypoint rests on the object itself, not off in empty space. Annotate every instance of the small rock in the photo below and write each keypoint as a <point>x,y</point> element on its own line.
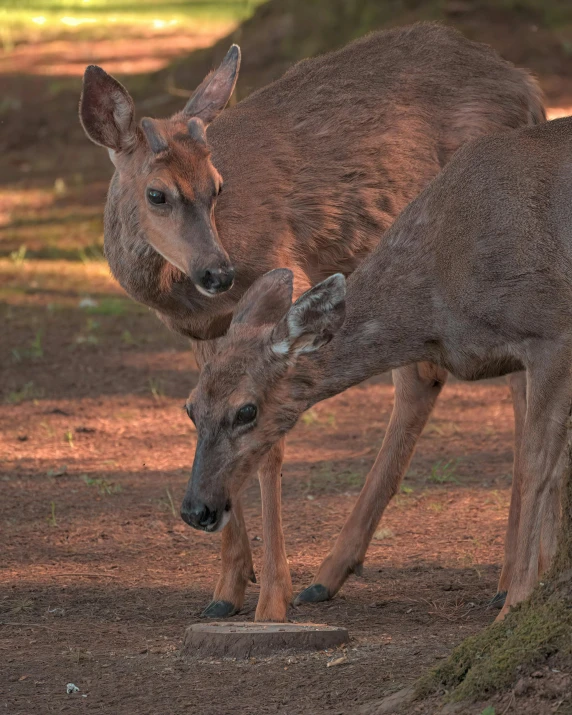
<point>71,689</point>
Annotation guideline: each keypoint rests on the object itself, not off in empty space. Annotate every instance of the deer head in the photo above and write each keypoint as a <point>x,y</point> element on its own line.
<point>164,171</point>
<point>256,387</point>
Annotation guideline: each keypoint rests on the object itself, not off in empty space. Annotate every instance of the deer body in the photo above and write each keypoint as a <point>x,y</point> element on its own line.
<point>316,165</point>
<point>473,278</point>
<point>307,173</point>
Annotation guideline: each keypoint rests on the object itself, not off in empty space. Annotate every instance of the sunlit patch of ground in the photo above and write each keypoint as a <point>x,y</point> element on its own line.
<point>46,37</point>
<point>558,112</point>
<point>119,56</point>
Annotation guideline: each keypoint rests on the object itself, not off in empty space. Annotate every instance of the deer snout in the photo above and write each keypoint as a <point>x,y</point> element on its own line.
<point>205,517</point>
<point>215,280</point>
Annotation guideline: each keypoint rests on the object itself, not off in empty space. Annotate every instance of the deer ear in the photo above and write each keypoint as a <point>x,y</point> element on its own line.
<point>266,301</point>
<point>106,111</point>
<point>212,95</point>
<point>313,320</point>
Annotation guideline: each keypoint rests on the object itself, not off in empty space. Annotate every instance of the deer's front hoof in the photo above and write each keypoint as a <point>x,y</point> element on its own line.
<point>313,594</point>
<point>219,609</point>
<point>498,600</point>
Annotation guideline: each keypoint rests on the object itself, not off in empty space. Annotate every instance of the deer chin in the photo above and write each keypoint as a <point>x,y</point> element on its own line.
<point>221,524</point>
<point>209,293</point>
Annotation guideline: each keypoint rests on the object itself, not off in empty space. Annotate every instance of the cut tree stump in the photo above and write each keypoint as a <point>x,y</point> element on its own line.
<point>245,640</point>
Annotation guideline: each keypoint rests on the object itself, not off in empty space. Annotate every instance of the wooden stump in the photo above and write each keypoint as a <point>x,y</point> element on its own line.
<point>245,640</point>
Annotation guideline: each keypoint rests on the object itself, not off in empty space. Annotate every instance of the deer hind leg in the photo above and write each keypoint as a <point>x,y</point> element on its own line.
<point>275,582</point>
<point>549,394</point>
<point>416,390</point>
<point>236,569</point>
<point>551,518</point>
<point>517,384</point>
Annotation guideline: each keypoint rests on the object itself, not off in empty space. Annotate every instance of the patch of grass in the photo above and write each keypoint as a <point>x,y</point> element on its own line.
<point>19,256</point>
<point>51,519</point>
<point>167,503</point>
<point>127,338</point>
<point>34,352</point>
<point>443,429</point>
<point>309,418</point>
<point>58,471</point>
<point>327,479</point>
<point>103,486</point>
<point>87,340</point>
<point>312,417</point>
<point>383,534</point>
<point>49,429</point>
<point>28,392</point>
<point>436,506</point>
<point>444,472</point>
<point>69,438</point>
<point>156,388</point>
<point>108,306</point>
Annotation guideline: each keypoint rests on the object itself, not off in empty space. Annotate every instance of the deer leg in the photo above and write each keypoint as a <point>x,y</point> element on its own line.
<point>236,569</point>
<point>416,390</point>
<point>549,394</point>
<point>275,583</point>
<point>517,384</point>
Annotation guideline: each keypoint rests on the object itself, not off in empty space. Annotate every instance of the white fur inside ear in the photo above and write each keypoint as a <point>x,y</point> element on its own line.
<point>113,156</point>
<point>282,348</point>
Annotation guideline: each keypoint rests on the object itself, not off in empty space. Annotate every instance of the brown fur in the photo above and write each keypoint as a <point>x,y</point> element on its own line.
<point>474,278</point>
<point>315,168</point>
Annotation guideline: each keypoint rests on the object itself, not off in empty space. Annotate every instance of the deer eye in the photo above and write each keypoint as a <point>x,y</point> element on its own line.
<point>156,197</point>
<point>246,415</point>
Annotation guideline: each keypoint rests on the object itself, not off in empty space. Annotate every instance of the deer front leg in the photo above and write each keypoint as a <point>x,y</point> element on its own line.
<point>275,582</point>
<point>543,441</point>
<point>416,390</point>
<point>236,568</point>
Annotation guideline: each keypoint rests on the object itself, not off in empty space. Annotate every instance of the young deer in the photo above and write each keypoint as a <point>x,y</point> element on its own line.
<point>474,278</point>
<point>315,167</point>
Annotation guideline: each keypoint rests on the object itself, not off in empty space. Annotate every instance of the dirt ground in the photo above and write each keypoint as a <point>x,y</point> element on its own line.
<point>99,577</point>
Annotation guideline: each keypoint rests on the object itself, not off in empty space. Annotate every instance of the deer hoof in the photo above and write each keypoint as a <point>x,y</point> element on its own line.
<point>219,609</point>
<point>498,600</point>
<point>313,594</point>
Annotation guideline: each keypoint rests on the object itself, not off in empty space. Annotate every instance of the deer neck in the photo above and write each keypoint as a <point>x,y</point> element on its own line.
<point>389,322</point>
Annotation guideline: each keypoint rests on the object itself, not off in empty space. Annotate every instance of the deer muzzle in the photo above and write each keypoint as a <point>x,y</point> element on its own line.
<point>205,517</point>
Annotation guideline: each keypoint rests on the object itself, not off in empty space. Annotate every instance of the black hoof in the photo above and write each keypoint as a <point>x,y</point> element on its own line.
<point>498,600</point>
<point>313,594</point>
<point>219,609</point>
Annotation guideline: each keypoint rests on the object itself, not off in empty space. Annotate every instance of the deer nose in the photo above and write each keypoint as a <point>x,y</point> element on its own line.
<point>217,280</point>
<point>200,516</point>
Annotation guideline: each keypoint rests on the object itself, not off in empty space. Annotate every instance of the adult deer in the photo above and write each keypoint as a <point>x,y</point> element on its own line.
<point>474,279</point>
<point>315,167</point>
